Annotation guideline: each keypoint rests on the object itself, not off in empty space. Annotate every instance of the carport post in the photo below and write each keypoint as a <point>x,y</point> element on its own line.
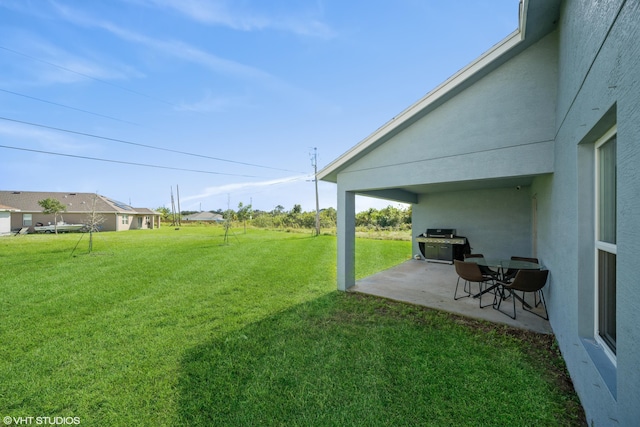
<point>346,239</point>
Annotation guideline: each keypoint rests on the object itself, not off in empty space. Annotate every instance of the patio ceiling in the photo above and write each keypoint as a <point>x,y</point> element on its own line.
<point>409,193</point>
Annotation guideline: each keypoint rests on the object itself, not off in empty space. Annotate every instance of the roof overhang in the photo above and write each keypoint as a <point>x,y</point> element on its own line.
<point>537,18</point>
<point>409,193</point>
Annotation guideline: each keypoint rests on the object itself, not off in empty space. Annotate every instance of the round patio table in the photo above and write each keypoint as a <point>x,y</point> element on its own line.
<point>503,265</point>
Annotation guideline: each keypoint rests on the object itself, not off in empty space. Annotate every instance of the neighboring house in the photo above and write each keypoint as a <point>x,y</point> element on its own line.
<point>204,216</point>
<point>117,216</point>
<point>5,219</point>
<point>533,150</point>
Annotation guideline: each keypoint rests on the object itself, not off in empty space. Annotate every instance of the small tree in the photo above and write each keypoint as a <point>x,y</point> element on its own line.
<point>52,207</point>
<point>244,213</point>
<point>93,221</point>
<point>165,213</point>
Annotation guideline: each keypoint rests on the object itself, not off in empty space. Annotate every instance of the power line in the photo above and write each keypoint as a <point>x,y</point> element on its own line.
<point>88,76</point>
<point>124,163</point>
<point>142,145</point>
<point>67,106</point>
<point>114,139</point>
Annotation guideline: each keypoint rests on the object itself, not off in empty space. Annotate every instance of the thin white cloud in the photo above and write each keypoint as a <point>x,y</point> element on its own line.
<point>233,14</point>
<point>43,63</point>
<point>46,140</point>
<point>244,186</point>
<point>190,53</point>
<point>15,131</point>
<point>210,103</point>
<point>173,48</point>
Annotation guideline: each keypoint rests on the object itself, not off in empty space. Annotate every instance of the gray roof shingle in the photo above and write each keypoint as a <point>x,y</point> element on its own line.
<point>27,201</point>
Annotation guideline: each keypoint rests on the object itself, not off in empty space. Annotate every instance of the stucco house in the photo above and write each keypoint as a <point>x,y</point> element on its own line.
<point>533,149</point>
<point>117,216</point>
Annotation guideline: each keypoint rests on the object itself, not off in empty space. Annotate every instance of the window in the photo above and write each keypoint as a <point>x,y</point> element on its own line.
<point>605,242</point>
<point>27,220</point>
<point>125,219</point>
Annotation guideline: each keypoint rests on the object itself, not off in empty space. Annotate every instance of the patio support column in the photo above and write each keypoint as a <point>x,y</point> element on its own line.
<point>346,239</point>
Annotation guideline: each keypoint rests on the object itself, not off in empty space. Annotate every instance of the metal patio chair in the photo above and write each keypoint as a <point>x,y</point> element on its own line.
<point>470,273</point>
<point>524,281</point>
<point>510,274</point>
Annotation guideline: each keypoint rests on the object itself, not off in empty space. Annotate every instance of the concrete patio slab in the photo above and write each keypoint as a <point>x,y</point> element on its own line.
<point>432,285</point>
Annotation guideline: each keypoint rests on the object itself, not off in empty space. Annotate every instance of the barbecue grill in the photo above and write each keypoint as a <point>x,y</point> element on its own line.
<point>442,245</point>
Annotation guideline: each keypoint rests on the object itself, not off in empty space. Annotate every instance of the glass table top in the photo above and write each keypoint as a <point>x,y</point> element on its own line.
<point>505,263</point>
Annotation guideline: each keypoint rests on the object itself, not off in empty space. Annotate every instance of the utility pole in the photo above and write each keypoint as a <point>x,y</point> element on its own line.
<point>227,223</point>
<point>314,162</point>
<point>179,211</point>
<point>173,210</point>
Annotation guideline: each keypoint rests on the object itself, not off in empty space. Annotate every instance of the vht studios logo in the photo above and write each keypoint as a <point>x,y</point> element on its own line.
<point>41,420</point>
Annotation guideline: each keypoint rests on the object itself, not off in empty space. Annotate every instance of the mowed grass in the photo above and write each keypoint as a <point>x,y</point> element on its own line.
<point>175,327</point>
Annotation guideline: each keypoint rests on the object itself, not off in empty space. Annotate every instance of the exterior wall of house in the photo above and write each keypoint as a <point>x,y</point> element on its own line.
<point>599,86</point>
<point>562,94</point>
<point>72,218</point>
<point>496,222</point>
<point>79,206</point>
<point>111,222</point>
<point>17,219</point>
<point>139,222</point>
<point>124,221</point>
<point>5,222</point>
<point>501,126</point>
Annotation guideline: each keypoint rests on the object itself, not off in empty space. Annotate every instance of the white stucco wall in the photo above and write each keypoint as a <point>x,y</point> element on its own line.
<point>501,126</point>
<point>599,83</point>
<point>497,222</point>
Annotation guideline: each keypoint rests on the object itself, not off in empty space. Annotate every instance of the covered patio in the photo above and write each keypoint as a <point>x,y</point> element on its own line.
<point>432,285</point>
<point>511,152</point>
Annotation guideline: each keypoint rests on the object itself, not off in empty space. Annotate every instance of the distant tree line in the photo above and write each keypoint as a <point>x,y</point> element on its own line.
<point>295,218</point>
<point>389,218</point>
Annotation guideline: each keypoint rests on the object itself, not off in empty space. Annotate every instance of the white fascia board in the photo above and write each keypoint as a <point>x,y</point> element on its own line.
<point>522,17</point>
<point>439,92</point>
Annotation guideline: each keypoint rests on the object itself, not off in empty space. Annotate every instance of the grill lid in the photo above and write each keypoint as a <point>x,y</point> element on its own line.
<point>441,232</point>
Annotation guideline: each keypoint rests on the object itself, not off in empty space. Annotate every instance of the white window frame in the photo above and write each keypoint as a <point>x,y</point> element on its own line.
<point>27,220</point>
<point>601,246</point>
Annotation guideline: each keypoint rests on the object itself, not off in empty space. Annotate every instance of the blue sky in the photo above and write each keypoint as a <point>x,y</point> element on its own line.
<point>225,100</point>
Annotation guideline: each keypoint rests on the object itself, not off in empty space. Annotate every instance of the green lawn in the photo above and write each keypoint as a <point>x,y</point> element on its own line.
<point>173,327</point>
